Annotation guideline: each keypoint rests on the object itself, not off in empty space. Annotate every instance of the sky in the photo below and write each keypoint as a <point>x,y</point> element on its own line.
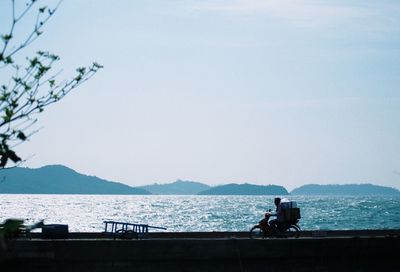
<point>264,92</point>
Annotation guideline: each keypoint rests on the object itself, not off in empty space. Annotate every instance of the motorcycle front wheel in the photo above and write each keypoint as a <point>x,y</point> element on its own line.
<point>256,232</point>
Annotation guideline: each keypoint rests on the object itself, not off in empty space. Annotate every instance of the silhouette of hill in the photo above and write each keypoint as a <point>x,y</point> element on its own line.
<point>245,189</point>
<point>178,187</point>
<point>58,179</point>
<point>345,189</point>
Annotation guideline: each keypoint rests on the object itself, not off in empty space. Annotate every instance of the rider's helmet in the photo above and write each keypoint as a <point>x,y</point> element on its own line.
<point>277,201</point>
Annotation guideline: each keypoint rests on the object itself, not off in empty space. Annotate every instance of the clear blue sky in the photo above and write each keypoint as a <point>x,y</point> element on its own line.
<point>281,92</point>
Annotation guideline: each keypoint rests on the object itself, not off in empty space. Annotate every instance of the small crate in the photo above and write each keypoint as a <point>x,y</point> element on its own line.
<point>55,231</point>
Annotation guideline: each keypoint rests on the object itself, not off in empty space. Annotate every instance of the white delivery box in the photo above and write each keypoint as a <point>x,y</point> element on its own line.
<point>286,204</point>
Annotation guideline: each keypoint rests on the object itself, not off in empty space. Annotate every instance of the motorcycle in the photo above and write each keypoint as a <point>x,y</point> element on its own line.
<point>283,230</point>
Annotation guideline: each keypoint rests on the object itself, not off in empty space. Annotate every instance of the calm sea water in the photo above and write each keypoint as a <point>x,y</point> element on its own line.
<point>199,213</point>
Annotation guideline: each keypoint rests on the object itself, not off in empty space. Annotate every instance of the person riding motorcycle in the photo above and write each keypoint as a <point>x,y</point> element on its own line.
<point>278,213</point>
<point>285,225</point>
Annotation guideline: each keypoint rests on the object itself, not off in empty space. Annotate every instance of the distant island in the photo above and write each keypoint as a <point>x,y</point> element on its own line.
<point>345,189</point>
<point>178,187</point>
<point>58,179</point>
<point>245,189</point>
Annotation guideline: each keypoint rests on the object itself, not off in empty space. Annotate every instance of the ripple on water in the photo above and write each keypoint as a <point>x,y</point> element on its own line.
<point>199,213</point>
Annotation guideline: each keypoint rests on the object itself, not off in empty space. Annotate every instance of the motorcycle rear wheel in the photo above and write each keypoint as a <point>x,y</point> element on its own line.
<point>292,232</point>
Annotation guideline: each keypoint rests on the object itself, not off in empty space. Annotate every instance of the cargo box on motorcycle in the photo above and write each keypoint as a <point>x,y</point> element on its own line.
<point>292,214</point>
<point>290,211</point>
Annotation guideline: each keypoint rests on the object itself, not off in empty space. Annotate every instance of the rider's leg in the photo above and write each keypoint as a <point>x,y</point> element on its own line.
<point>273,224</point>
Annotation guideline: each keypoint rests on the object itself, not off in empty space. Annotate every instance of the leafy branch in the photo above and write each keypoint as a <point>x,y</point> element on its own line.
<point>32,86</point>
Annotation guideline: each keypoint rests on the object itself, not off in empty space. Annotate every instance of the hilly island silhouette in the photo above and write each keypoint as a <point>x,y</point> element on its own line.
<point>59,179</point>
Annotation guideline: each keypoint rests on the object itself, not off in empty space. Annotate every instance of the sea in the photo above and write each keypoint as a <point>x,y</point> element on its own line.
<point>87,213</point>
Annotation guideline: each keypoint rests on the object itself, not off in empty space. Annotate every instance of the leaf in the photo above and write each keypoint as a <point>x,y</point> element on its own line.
<point>4,96</point>
<point>42,9</point>
<point>27,87</point>
<point>11,154</point>
<point>17,80</point>
<point>43,69</point>
<point>21,136</point>
<point>34,61</point>
<point>81,70</point>
<point>8,60</point>
<point>9,112</point>
<point>97,65</point>
<point>14,103</point>
<point>6,37</point>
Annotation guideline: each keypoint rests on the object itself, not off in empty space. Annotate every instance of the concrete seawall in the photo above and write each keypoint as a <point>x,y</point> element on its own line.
<point>356,253</point>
